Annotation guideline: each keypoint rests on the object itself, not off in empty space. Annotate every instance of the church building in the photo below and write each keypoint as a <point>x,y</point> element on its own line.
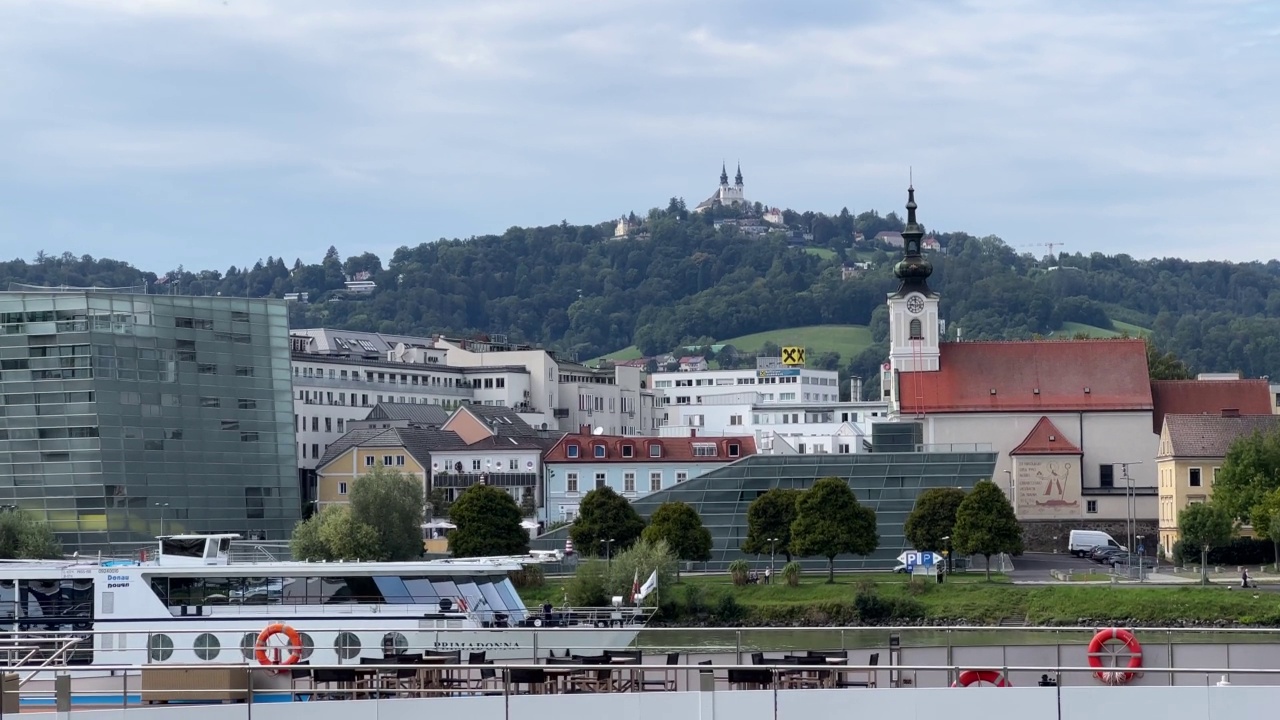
<point>1073,421</point>
<point>726,195</point>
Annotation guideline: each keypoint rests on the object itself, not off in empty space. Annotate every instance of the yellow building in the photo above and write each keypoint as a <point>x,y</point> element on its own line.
<point>1190,455</point>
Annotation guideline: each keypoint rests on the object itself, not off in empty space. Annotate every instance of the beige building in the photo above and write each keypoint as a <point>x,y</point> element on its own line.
<point>1191,453</point>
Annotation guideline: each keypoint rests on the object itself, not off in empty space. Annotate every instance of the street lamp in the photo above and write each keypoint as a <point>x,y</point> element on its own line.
<point>1140,553</point>
<point>162,506</point>
<point>947,539</point>
<point>608,555</point>
<point>771,556</point>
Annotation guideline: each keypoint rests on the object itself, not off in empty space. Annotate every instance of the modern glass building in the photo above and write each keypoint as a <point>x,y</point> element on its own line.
<point>887,482</point>
<point>125,415</point>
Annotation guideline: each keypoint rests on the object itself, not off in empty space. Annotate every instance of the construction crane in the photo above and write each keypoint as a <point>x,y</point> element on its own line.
<point>1050,245</point>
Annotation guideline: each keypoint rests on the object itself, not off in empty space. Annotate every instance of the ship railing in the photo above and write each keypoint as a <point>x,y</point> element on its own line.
<point>59,656</point>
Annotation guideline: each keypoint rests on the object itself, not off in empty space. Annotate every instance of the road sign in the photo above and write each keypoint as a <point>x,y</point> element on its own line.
<point>914,557</point>
<point>1142,549</point>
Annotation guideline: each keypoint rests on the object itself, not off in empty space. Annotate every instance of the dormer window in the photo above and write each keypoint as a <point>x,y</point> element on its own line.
<point>600,451</point>
<point>734,450</point>
<point>655,450</point>
<point>628,451</point>
<point>571,451</point>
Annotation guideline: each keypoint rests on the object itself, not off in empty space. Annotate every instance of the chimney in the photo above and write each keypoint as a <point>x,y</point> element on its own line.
<point>584,429</point>
<point>1230,412</point>
<point>693,432</point>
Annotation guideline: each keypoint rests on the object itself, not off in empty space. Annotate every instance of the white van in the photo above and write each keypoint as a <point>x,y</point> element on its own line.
<point>1082,541</point>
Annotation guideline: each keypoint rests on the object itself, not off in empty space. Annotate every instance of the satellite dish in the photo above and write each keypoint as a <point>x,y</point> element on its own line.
<point>598,431</point>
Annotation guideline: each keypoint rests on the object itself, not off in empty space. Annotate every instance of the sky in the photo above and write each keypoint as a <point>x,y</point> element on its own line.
<point>211,133</point>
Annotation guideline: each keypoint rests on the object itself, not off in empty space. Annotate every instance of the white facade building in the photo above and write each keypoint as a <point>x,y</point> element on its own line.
<point>565,395</point>
<point>775,385</point>
<point>779,428</point>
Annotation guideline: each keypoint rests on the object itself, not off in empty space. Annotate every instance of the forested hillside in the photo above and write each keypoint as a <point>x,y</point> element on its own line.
<point>678,280</point>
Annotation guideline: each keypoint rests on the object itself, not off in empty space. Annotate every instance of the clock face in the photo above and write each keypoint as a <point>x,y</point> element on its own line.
<point>915,304</point>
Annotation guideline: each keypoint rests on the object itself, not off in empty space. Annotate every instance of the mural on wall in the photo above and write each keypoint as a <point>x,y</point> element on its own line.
<point>1048,486</point>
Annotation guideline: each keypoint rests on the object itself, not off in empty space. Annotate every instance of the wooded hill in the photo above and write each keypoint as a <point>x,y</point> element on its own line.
<point>678,280</point>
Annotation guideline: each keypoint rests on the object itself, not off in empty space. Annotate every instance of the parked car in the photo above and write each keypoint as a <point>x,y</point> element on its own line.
<point>1082,543</point>
<point>1101,554</point>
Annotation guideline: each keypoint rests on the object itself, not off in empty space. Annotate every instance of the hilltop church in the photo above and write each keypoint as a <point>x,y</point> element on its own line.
<point>726,195</point>
<point>1075,422</point>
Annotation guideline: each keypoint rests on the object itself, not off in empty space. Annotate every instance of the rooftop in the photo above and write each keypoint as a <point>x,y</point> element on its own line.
<point>1210,436</point>
<point>1196,397</point>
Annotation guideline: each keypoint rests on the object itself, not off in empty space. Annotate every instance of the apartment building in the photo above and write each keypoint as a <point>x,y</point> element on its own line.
<point>771,381</point>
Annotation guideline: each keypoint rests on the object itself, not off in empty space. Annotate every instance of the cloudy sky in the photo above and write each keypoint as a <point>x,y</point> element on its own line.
<point>213,133</point>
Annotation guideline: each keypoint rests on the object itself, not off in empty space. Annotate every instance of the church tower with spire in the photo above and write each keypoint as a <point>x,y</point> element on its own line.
<point>914,322</point>
<point>726,195</point>
<point>724,177</point>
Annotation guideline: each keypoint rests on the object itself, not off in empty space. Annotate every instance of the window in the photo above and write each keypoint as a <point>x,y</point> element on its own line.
<point>917,333</point>
<point>628,451</point>
<point>655,450</point>
<point>600,480</point>
<point>244,370</point>
<point>341,423</point>
<point>230,424</point>
<point>1106,476</point>
<point>1193,477</point>
<point>1091,506</point>
<point>387,460</point>
<point>328,424</point>
<point>734,450</point>
<point>174,434</point>
<point>249,436</point>
<point>844,448</point>
<point>207,369</point>
<point>315,449</point>
<point>571,451</point>
<point>513,464</point>
<point>368,461</point>
<point>681,476</point>
<point>342,488</point>
<point>599,450</point>
<point>1215,475</point>
<point>706,450</point>
<point>628,482</point>
<point>399,459</point>
<point>247,404</point>
<point>735,419</point>
<point>571,482</point>
<point>475,464</point>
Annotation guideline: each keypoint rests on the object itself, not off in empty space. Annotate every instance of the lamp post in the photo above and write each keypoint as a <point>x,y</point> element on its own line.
<point>608,555</point>
<point>1140,549</point>
<point>947,539</point>
<point>1055,544</point>
<point>1130,507</point>
<point>771,556</point>
<point>162,507</point>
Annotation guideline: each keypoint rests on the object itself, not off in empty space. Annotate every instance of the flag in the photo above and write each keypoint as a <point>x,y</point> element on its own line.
<point>635,585</point>
<point>649,586</point>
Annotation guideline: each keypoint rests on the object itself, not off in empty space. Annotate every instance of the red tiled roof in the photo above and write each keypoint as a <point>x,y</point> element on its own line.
<point>674,449</point>
<point>1046,439</point>
<point>1208,397</point>
<point>1210,436</point>
<point>1069,375</point>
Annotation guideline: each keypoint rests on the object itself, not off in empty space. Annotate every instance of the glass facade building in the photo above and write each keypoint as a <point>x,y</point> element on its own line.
<point>887,482</point>
<point>124,416</point>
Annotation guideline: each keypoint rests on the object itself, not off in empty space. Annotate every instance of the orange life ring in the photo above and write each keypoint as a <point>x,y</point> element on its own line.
<point>990,677</point>
<point>270,631</point>
<point>1125,644</point>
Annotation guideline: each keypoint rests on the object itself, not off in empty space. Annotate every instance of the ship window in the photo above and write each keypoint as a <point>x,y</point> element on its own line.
<point>491,596</point>
<point>63,605</point>
<point>182,547</point>
<point>446,589</point>
<point>394,643</point>
<point>247,644</point>
<point>160,648</point>
<point>509,596</point>
<point>468,591</point>
<point>347,645</point>
<point>207,646</point>
<point>393,589</point>
<point>308,645</point>
<point>422,591</point>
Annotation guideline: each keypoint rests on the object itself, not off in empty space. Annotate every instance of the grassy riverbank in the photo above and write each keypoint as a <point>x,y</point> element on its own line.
<point>887,598</point>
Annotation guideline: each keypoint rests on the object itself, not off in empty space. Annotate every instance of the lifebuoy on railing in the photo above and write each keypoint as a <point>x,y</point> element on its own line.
<point>270,631</point>
<point>1117,644</point>
<point>981,677</point>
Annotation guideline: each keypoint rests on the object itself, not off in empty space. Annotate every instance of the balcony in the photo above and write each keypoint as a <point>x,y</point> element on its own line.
<point>303,382</point>
<point>496,479</point>
<point>560,413</point>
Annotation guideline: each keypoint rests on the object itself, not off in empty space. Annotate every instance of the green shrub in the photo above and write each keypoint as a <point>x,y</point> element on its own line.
<point>728,610</point>
<point>872,608</point>
<point>918,586</point>
<point>905,608</point>
<point>694,600</point>
<point>738,570</point>
<point>791,573</point>
<point>587,587</point>
<point>528,576</point>
<point>636,563</point>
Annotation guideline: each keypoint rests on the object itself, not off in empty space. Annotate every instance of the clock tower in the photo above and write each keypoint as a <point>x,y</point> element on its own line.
<point>913,310</point>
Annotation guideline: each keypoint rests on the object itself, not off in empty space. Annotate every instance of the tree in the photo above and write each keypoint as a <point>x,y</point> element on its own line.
<point>637,562</point>
<point>986,524</point>
<point>770,516</point>
<point>22,537</point>
<point>391,503</point>
<point>933,517</point>
<point>1204,526</point>
<point>488,523</point>
<point>829,521</point>
<point>1250,471</point>
<point>333,534</point>
<point>680,526</point>
<point>1165,365</point>
<point>439,503</point>
<point>604,515</point>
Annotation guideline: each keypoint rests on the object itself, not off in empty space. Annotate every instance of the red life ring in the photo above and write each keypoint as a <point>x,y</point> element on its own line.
<point>1115,643</point>
<point>462,604</point>
<point>990,677</point>
<point>270,631</point>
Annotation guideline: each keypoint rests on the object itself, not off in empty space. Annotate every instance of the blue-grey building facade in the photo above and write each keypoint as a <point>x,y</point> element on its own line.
<point>126,415</point>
